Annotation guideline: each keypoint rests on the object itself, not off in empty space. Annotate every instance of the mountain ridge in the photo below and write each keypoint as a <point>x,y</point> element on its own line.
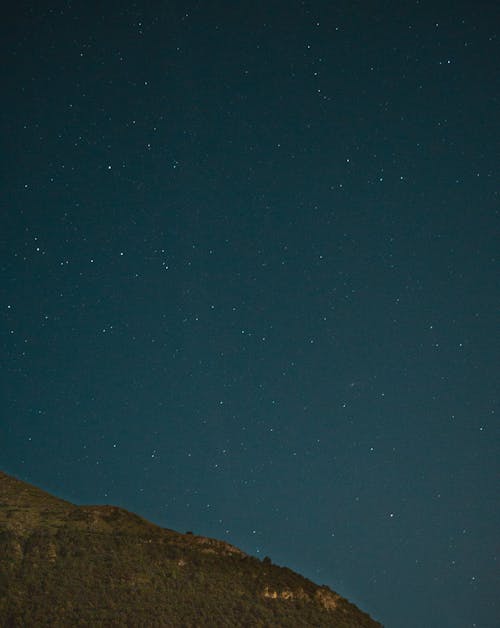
<point>102,565</point>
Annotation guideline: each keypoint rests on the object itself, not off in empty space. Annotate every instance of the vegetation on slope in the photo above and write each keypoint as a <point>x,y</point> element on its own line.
<point>66,565</point>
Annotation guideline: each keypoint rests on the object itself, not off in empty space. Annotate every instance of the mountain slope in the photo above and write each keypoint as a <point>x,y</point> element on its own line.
<point>66,565</point>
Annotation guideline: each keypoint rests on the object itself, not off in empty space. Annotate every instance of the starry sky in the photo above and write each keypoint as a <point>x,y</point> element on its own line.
<point>248,282</point>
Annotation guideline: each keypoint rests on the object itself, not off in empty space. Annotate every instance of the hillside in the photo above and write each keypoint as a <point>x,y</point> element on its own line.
<point>66,565</point>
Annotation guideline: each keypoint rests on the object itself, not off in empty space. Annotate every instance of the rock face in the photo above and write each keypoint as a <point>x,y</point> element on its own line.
<point>66,565</point>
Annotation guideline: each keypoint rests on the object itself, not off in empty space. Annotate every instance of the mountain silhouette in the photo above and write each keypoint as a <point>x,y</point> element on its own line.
<point>66,565</point>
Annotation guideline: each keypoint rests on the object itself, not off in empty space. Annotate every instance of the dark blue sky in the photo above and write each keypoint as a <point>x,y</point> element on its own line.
<point>248,282</point>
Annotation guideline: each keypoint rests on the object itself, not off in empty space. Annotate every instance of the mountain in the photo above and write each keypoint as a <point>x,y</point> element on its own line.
<point>65,565</point>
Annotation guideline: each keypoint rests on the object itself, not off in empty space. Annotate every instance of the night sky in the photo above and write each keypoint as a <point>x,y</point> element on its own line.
<point>248,282</point>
